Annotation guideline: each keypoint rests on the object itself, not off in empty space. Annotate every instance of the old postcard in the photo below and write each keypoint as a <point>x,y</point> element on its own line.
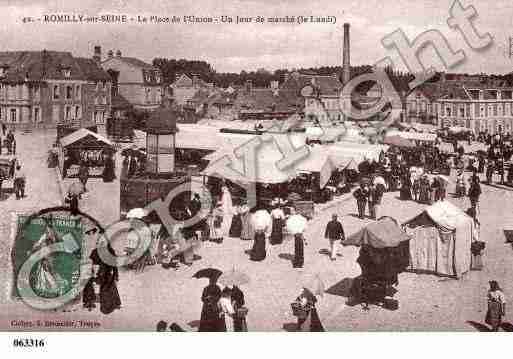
<point>255,166</point>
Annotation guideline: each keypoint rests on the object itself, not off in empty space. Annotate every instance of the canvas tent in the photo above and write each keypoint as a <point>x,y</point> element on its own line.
<point>441,238</point>
<point>384,250</point>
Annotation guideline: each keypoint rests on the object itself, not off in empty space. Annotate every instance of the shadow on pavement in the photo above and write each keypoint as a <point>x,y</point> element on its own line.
<point>325,252</point>
<point>286,256</point>
<point>290,327</point>
<point>479,326</point>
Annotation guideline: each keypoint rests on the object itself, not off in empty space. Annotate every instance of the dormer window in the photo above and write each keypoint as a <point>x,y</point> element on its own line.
<point>66,71</point>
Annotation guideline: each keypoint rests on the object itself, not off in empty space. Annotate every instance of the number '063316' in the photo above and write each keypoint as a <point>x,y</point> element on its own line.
<point>28,343</point>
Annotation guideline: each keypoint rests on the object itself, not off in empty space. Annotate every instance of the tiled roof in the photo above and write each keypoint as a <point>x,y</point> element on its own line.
<point>118,101</point>
<point>328,85</point>
<point>268,100</point>
<point>91,70</point>
<point>138,63</point>
<point>44,65</point>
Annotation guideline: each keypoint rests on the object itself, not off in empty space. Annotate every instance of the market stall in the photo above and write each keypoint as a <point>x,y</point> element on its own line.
<point>441,240</point>
<point>84,146</point>
<point>384,253</point>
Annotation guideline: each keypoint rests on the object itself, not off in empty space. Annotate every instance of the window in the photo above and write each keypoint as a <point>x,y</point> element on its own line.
<point>104,100</point>
<point>66,73</point>
<point>476,110</point>
<point>104,85</point>
<point>13,115</point>
<point>36,93</point>
<point>147,95</point>
<point>462,112</point>
<point>500,111</point>
<point>69,92</point>
<point>67,114</point>
<point>37,115</point>
<point>78,93</point>
<point>77,112</point>
<point>56,92</point>
<point>467,110</point>
<point>97,86</point>
<point>448,111</point>
<point>495,110</point>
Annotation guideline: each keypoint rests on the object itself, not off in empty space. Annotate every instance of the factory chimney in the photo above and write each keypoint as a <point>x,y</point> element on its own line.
<point>346,64</point>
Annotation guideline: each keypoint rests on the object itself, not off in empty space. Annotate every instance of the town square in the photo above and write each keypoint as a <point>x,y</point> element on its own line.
<point>161,195</point>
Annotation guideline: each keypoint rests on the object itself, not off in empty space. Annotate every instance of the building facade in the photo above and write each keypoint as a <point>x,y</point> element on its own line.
<point>186,87</point>
<point>480,109</point>
<point>324,103</point>
<point>137,81</point>
<point>49,88</point>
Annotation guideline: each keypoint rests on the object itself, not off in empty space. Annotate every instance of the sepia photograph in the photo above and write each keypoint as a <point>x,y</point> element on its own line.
<point>255,166</point>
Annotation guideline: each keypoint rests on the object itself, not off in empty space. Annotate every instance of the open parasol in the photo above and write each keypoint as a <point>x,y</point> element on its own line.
<point>209,273</point>
<point>379,180</point>
<point>234,277</point>
<point>261,220</point>
<point>296,224</point>
<point>137,213</point>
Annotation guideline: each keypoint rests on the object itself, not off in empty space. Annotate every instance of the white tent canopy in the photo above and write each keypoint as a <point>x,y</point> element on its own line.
<point>80,134</point>
<point>417,136</point>
<point>441,240</point>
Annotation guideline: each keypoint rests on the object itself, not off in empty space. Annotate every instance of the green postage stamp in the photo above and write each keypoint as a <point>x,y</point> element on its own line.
<point>46,255</point>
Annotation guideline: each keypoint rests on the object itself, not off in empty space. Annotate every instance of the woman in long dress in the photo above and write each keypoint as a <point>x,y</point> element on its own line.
<point>311,322</point>
<point>258,252</point>
<point>246,233</point>
<point>210,320</point>
<point>107,278</point>
<point>236,227</point>
<point>227,312</point>
<point>46,281</point>
<point>496,306</point>
<point>215,223</point>
<point>228,210</point>
<point>109,174</point>
<point>299,249</point>
<point>278,218</point>
<point>239,319</point>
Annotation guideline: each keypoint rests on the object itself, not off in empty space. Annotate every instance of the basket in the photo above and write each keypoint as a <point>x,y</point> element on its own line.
<point>298,310</point>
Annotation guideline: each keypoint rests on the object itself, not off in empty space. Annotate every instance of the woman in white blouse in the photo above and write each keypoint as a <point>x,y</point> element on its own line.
<point>226,309</point>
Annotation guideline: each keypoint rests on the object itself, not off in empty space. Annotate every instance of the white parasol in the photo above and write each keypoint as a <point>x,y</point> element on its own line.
<point>261,220</point>
<point>379,180</point>
<point>137,213</point>
<point>296,224</point>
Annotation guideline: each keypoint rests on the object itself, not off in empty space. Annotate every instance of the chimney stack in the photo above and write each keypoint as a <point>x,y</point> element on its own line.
<point>97,56</point>
<point>346,63</point>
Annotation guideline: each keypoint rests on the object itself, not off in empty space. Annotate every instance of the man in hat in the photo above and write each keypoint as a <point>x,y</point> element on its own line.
<point>361,195</point>
<point>334,232</point>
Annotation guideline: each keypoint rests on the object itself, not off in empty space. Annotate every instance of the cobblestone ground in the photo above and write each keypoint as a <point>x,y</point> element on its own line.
<point>426,302</point>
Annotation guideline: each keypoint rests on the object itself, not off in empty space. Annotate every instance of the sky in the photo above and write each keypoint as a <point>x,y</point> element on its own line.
<point>235,47</point>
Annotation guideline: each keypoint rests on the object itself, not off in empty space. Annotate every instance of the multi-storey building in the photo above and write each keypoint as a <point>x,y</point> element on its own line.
<point>325,101</point>
<point>186,87</point>
<point>480,108</point>
<point>138,82</point>
<point>50,88</point>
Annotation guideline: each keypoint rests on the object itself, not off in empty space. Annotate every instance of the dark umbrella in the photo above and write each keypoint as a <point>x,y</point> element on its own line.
<point>209,273</point>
